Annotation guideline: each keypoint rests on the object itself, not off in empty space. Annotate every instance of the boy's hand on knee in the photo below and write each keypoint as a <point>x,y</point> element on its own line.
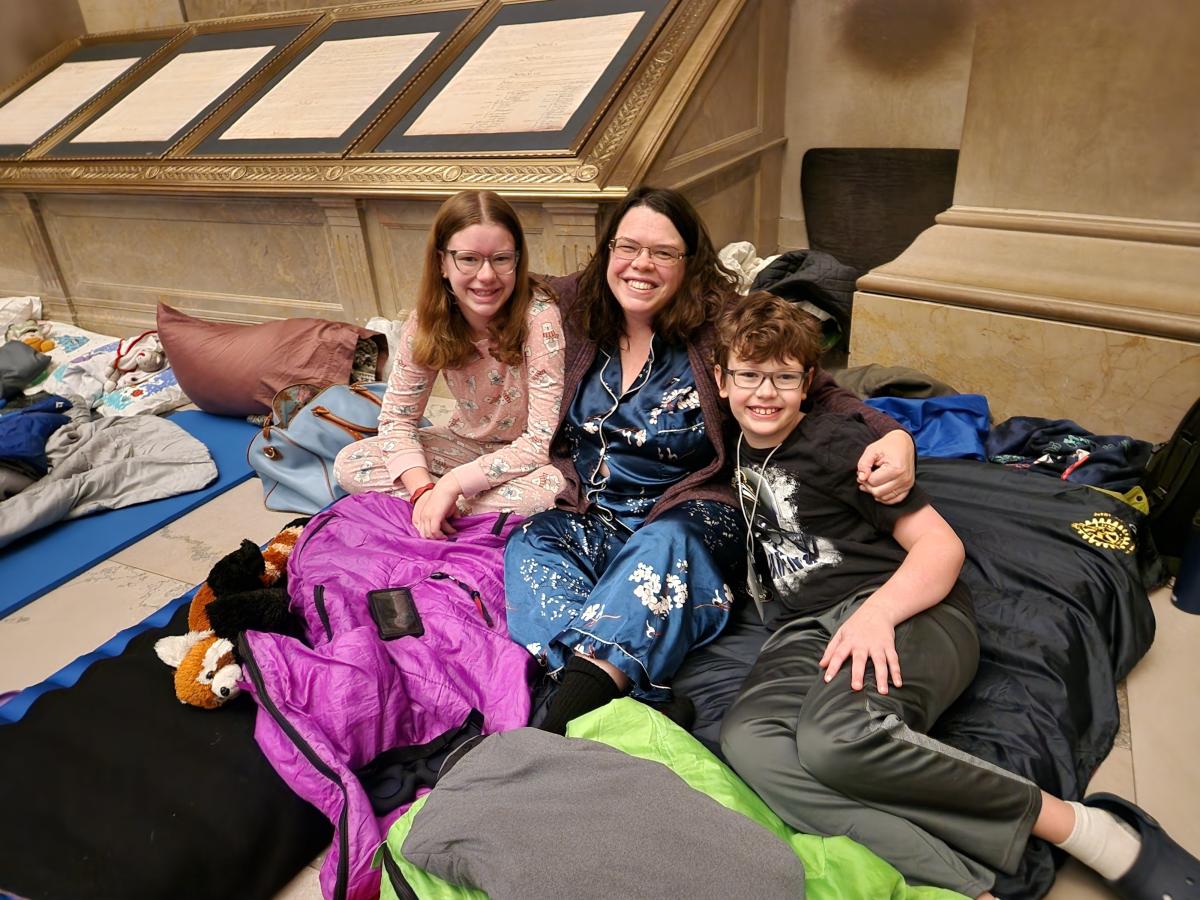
<point>867,635</point>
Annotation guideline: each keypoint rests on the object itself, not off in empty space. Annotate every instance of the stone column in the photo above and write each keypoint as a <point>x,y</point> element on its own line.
<point>29,257</point>
<point>349,258</point>
<point>1065,279</point>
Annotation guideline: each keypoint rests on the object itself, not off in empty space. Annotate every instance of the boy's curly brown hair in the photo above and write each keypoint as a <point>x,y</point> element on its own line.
<point>761,327</point>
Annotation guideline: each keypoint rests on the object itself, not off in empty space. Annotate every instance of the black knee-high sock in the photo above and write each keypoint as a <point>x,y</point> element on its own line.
<point>583,686</point>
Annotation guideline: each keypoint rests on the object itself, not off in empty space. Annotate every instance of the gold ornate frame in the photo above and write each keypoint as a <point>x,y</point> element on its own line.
<point>612,152</point>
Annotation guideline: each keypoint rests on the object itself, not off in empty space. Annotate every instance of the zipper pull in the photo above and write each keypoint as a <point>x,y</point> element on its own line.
<point>482,609</point>
<point>475,596</point>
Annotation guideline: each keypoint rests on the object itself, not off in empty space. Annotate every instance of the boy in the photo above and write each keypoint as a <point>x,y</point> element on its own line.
<point>833,745</point>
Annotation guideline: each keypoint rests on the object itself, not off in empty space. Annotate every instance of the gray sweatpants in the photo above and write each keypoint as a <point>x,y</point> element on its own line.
<point>833,761</point>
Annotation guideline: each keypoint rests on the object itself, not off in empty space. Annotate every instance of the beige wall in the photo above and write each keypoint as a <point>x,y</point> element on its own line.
<point>215,9</point>
<point>1063,281</point>
<point>872,73</point>
<point>1113,83</point>
<point>124,15</point>
<point>29,29</point>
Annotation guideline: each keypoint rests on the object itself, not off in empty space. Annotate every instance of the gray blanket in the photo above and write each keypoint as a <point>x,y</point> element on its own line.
<point>527,813</point>
<point>107,464</point>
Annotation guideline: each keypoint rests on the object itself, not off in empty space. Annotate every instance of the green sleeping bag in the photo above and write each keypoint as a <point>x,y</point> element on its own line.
<point>834,868</point>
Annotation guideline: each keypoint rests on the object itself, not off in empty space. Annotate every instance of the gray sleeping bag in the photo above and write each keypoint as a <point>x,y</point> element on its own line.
<point>527,813</point>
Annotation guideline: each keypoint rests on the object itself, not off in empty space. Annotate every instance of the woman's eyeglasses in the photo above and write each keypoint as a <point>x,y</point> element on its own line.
<point>660,256</point>
<point>750,379</point>
<point>469,262</point>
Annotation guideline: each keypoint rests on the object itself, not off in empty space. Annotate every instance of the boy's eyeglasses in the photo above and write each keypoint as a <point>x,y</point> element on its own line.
<point>660,256</point>
<point>469,262</point>
<point>750,379</point>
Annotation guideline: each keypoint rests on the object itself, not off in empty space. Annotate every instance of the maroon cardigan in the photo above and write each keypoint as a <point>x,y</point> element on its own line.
<point>714,481</point>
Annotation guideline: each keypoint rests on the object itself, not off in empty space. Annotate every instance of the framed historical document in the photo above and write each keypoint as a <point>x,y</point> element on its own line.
<point>206,69</point>
<point>534,78</point>
<point>67,87</point>
<point>322,99</point>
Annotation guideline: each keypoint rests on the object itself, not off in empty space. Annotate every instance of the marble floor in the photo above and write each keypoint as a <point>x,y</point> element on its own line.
<point>1154,760</point>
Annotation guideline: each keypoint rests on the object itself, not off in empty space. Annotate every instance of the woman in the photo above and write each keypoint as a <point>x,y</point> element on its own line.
<point>612,588</point>
<point>495,335</point>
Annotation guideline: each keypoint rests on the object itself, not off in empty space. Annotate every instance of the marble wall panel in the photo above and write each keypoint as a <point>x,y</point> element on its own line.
<point>126,15</point>
<point>27,262</point>
<point>19,273</point>
<point>1084,106</point>
<point>1110,382</point>
<point>238,260</point>
<point>731,202</point>
<point>735,102</point>
<point>30,30</point>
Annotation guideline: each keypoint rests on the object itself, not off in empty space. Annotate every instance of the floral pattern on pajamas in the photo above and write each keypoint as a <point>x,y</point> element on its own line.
<point>638,600</point>
<point>636,595</point>
<point>630,447</point>
<point>363,467</point>
<point>496,442</point>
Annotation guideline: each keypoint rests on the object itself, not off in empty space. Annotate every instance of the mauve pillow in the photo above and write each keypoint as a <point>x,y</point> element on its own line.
<point>235,370</point>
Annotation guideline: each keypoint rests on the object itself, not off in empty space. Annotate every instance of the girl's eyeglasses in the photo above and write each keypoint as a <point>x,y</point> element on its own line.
<point>469,262</point>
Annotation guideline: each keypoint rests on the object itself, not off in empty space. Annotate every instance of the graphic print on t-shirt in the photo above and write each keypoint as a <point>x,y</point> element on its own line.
<point>791,551</point>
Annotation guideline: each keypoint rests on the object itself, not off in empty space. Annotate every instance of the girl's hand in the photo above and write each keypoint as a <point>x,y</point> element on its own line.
<point>436,507</point>
<point>867,635</point>
<point>887,468</point>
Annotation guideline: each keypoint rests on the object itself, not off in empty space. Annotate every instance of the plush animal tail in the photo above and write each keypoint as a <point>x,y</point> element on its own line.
<point>276,555</point>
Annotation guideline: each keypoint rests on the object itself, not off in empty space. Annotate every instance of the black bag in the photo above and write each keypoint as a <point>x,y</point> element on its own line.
<point>1172,485</point>
<point>817,278</point>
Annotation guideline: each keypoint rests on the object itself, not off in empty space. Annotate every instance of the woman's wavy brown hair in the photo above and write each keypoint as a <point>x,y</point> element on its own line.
<point>443,338</point>
<point>706,283</point>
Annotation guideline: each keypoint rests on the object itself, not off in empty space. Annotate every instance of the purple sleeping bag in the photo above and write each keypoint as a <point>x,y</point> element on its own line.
<point>336,706</point>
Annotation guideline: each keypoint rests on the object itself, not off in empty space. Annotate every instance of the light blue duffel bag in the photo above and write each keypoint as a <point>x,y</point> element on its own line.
<point>293,454</point>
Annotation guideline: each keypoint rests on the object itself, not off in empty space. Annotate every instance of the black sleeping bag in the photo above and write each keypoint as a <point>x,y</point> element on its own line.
<point>1063,616</point>
<point>114,789</point>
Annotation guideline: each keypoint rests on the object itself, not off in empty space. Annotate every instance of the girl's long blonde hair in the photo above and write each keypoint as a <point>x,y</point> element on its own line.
<point>443,338</point>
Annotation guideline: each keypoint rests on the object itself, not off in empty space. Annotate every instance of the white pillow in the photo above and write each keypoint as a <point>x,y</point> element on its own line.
<point>73,345</point>
<point>159,393</point>
<point>18,309</point>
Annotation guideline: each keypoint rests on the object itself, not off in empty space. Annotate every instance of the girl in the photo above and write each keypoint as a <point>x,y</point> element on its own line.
<point>494,334</point>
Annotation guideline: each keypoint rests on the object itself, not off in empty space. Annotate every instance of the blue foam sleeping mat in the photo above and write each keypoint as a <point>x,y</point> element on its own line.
<point>42,561</point>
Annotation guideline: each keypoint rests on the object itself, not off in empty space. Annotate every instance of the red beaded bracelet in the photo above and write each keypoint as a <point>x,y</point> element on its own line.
<point>416,495</point>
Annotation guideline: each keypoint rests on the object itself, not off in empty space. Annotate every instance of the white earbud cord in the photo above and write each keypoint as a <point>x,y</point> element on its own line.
<point>752,582</point>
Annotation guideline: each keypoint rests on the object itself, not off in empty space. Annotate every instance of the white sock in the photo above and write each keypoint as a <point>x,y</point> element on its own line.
<point>1102,842</point>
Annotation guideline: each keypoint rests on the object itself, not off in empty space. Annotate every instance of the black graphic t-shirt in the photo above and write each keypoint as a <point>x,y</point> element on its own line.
<point>818,539</point>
